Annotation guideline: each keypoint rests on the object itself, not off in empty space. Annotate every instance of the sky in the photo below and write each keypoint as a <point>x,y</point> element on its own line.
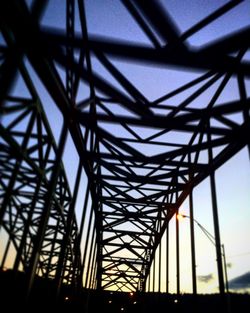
<point>110,18</point>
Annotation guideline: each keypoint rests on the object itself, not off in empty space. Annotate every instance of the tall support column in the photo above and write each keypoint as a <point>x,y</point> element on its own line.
<point>216,220</point>
<point>159,286</point>
<point>154,275</point>
<point>79,238</point>
<point>192,237</point>
<point>149,280</point>
<point>217,234</point>
<point>167,259</point>
<point>177,257</point>
<point>46,212</point>
<point>99,236</point>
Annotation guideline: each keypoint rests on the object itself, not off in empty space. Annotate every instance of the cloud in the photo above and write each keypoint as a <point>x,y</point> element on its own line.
<point>205,278</point>
<point>240,282</point>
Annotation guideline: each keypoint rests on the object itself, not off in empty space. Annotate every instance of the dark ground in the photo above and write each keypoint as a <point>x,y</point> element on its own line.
<point>12,296</point>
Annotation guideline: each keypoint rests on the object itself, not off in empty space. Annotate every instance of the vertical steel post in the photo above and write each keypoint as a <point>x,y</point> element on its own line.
<point>149,281</point>
<point>99,236</point>
<point>217,234</point>
<point>154,275</point>
<point>215,219</point>
<point>177,257</point>
<point>192,237</point>
<point>225,267</point>
<point>79,238</point>
<point>159,286</point>
<point>167,259</point>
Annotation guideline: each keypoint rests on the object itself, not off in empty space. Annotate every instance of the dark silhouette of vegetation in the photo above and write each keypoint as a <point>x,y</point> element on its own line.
<point>13,286</point>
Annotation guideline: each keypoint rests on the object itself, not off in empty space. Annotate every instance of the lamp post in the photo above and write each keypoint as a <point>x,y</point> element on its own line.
<point>212,239</point>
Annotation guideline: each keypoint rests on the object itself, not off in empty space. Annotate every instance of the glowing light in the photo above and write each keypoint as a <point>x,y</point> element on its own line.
<point>122,309</point>
<point>110,301</point>
<point>135,302</point>
<point>175,301</point>
<point>180,217</point>
<point>66,298</point>
<point>131,294</point>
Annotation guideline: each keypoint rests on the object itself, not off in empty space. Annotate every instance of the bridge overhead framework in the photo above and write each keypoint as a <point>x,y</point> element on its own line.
<point>103,138</point>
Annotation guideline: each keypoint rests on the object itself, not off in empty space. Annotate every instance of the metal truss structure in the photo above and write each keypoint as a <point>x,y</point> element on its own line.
<point>142,157</point>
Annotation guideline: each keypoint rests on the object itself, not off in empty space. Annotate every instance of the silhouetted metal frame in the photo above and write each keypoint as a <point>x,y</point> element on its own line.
<point>45,48</point>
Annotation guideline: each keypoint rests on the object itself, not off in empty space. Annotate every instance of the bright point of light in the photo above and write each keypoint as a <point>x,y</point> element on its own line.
<point>110,301</point>
<point>66,298</point>
<point>180,217</point>
<point>122,309</point>
<point>135,302</point>
<point>131,294</point>
<point>175,301</point>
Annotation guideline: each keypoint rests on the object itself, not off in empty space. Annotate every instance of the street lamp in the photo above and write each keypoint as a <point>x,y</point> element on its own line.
<point>212,239</point>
